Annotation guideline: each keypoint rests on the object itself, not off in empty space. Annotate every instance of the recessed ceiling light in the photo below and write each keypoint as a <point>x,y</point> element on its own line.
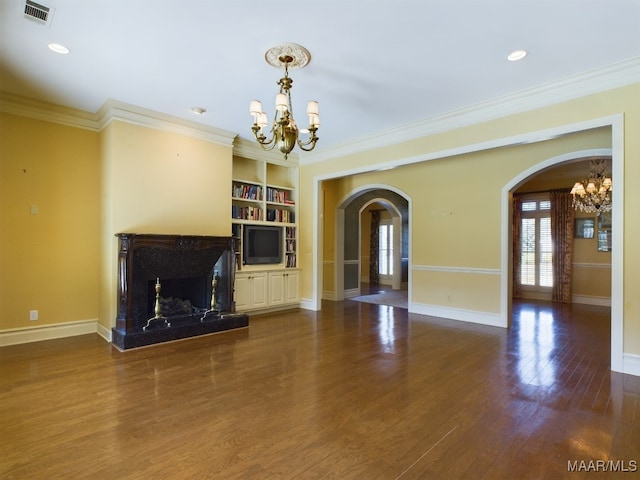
<point>198,110</point>
<point>517,55</point>
<point>58,48</point>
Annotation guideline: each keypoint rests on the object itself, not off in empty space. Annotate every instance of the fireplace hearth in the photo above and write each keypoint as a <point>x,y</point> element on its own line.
<point>166,284</point>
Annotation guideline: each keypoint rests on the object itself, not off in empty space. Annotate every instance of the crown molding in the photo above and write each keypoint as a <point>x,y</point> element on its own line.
<point>123,112</point>
<point>110,111</point>
<point>48,112</point>
<point>595,81</point>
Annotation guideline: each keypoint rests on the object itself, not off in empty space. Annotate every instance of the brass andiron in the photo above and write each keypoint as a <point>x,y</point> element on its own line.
<point>154,321</point>
<point>214,299</point>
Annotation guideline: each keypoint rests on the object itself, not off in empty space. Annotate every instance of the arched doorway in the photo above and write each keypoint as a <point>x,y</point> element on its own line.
<point>507,250</point>
<point>348,236</point>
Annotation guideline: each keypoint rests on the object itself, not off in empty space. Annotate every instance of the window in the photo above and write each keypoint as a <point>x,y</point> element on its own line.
<point>536,245</point>
<point>385,248</point>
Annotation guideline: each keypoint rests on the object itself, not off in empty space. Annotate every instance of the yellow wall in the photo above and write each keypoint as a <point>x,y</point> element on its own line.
<point>456,201</point>
<point>158,182</point>
<point>591,268</point>
<point>48,260</point>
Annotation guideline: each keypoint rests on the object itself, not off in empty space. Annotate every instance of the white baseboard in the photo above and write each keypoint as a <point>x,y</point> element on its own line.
<point>47,332</point>
<point>308,304</point>
<point>590,300</point>
<point>472,316</point>
<point>104,332</point>
<point>353,292</point>
<point>631,364</point>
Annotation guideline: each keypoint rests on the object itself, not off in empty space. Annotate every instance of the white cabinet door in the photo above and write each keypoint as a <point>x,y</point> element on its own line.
<point>283,287</point>
<point>277,288</point>
<point>250,291</point>
<point>258,289</point>
<point>291,284</point>
<point>242,294</point>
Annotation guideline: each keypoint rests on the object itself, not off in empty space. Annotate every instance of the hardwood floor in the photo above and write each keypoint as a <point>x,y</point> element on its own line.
<point>352,392</point>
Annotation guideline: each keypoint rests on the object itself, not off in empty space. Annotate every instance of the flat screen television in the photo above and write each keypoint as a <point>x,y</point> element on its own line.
<point>262,245</point>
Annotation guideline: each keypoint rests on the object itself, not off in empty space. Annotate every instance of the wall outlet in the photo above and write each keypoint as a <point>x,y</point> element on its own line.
<point>448,298</point>
<point>33,314</point>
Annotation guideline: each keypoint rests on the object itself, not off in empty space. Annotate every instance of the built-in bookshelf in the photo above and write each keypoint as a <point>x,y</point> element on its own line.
<point>290,247</point>
<point>264,192</point>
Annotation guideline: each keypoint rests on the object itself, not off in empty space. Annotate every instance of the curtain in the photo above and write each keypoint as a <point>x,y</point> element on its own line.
<point>562,227</point>
<point>516,208</point>
<point>373,247</point>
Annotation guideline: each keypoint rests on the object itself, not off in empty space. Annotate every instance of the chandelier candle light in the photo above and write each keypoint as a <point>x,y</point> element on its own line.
<point>593,194</point>
<point>284,132</point>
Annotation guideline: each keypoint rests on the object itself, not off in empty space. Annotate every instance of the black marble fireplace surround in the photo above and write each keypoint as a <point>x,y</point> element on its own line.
<point>184,266</point>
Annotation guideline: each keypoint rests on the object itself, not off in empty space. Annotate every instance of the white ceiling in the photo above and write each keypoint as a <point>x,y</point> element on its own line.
<point>376,64</point>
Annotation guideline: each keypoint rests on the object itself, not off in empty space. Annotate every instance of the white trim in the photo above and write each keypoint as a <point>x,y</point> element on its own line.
<point>616,122</point>
<point>352,292</point>
<point>459,314</point>
<point>105,332</point>
<point>338,241</point>
<point>123,112</point>
<point>114,110</point>
<point>308,304</point>
<point>617,256</point>
<point>16,336</point>
<point>592,265</point>
<point>520,139</point>
<point>609,77</point>
<point>591,300</point>
<point>631,364</point>
<point>339,232</point>
<point>30,108</point>
<point>478,271</point>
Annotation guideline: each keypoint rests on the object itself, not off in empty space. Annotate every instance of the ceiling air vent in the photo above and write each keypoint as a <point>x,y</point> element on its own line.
<point>36,12</point>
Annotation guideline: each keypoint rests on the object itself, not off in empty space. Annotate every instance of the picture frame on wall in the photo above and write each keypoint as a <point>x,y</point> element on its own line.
<point>585,228</point>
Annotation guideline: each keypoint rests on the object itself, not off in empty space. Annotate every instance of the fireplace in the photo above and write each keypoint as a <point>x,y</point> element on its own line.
<point>172,287</point>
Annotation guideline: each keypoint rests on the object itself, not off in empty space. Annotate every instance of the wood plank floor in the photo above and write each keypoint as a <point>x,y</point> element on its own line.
<point>356,391</point>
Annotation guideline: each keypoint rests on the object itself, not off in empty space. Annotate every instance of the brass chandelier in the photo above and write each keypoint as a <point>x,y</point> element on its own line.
<point>284,132</point>
<point>593,194</point>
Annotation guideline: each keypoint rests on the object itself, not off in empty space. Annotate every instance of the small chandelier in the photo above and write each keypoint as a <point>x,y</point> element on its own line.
<point>284,132</point>
<point>593,194</point>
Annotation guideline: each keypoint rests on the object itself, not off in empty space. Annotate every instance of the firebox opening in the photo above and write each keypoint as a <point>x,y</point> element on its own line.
<point>180,296</point>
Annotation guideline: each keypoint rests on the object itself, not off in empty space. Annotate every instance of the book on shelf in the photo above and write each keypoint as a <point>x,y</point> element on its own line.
<point>246,191</point>
<point>279,196</point>
<point>246,213</point>
<point>280,215</point>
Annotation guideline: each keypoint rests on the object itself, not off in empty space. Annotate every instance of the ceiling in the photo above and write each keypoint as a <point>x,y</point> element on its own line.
<point>375,64</point>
